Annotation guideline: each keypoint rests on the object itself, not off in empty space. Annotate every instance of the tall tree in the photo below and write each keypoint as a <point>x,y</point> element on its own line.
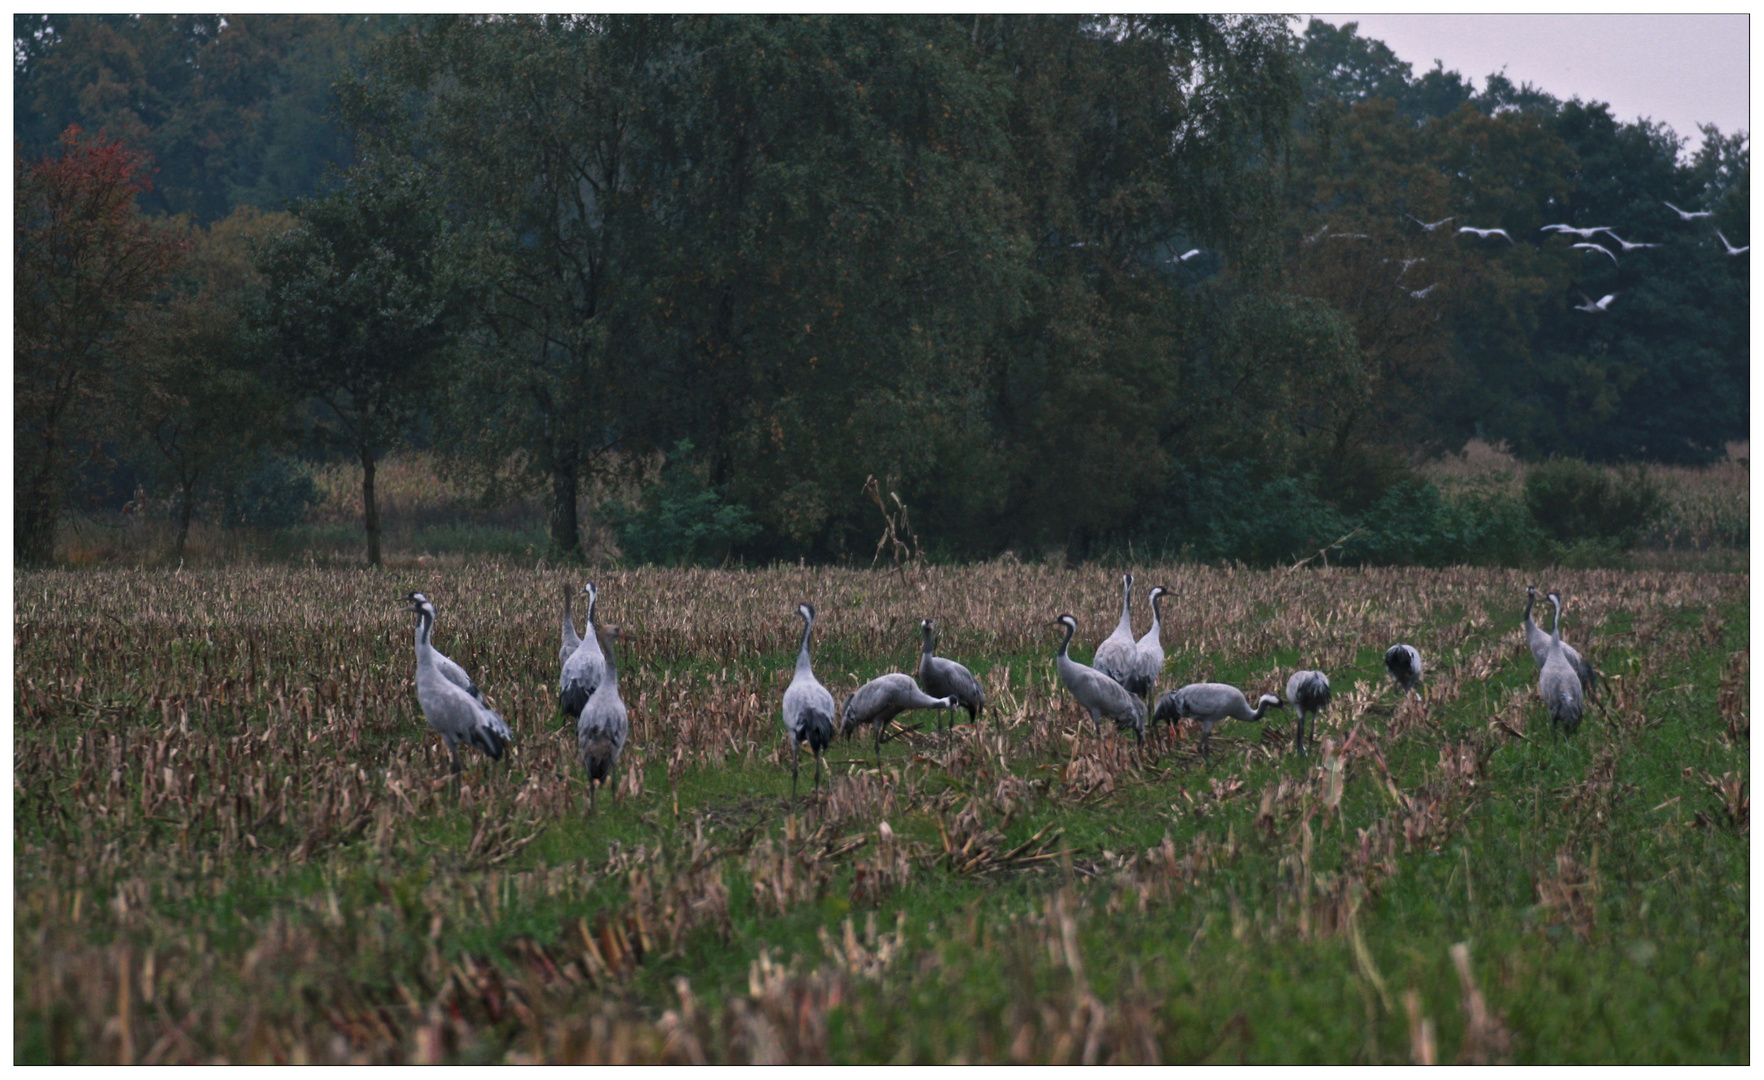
<point>360,299</point>
<point>84,258</point>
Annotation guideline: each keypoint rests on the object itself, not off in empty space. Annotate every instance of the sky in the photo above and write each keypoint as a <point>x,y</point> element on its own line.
<point>1680,69</point>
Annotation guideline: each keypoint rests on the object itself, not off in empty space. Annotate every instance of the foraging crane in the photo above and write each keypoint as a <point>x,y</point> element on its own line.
<point>1097,692</point>
<point>1309,693</point>
<point>1209,703</point>
<point>1539,642</point>
<point>1731,250</point>
<point>1484,234</point>
<point>1148,655</point>
<point>570,640</point>
<point>1115,656</point>
<point>1557,683</point>
<point>456,715</point>
<point>808,707</point>
<point>586,667</point>
<point>449,670</point>
<point>1690,215</point>
<point>1592,308</point>
<point>604,724</point>
<point>881,700</point>
<point>1404,664</point>
<point>946,678</point>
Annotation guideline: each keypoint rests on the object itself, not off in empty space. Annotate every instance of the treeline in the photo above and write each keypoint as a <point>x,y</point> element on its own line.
<point>1053,280</point>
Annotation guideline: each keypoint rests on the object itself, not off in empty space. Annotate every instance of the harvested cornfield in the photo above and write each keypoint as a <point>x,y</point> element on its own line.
<point>237,840</point>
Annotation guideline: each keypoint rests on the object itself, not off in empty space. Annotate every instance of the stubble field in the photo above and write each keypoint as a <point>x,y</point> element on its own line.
<point>235,838</point>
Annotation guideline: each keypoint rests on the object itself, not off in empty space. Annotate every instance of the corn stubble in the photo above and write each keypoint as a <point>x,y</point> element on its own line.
<point>236,838</point>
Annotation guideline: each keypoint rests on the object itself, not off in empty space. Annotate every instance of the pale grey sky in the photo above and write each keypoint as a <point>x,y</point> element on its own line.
<point>1681,69</point>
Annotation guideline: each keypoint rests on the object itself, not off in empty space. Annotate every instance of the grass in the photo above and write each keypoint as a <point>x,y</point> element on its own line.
<point>234,839</point>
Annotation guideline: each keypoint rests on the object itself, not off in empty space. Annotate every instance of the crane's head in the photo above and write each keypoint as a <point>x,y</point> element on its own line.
<point>1269,701</point>
<point>1127,580</point>
<point>925,625</point>
<point>1554,597</point>
<point>1157,591</point>
<point>807,611</point>
<point>1531,591</point>
<point>419,604</point>
<point>588,591</point>
<point>1068,622</point>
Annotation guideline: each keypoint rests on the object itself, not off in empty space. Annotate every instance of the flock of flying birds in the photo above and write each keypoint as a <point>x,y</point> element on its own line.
<point>1119,684</point>
<point>1586,237</point>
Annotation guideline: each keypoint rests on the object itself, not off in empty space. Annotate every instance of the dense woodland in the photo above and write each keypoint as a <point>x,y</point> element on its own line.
<point>1192,283</point>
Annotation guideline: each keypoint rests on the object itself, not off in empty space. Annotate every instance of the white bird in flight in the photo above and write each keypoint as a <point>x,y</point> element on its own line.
<point>1430,226</point>
<point>1584,234</point>
<point>1421,294</point>
<point>1731,250</point>
<point>1486,233</point>
<point>1594,308</point>
<point>1185,256</point>
<point>1690,215</point>
<point>1597,248</point>
<point>1318,235</point>
<point>1627,246</point>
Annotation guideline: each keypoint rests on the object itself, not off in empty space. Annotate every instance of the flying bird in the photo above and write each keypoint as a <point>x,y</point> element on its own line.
<point>1584,234</point>
<point>1690,215</point>
<point>1408,263</point>
<point>1731,250</point>
<point>1318,235</point>
<point>1591,308</point>
<point>1430,226</point>
<point>1486,233</point>
<point>1421,294</point>
<point>1185,256</point>
<point>1347,236</point>
<point>1627,246</point>
<point>1597,248</point>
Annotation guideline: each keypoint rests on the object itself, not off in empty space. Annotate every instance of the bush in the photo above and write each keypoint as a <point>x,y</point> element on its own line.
<point>682,519</point>
<point>1574,502</point>
<point>276,494</point>
<point>1413,524</point>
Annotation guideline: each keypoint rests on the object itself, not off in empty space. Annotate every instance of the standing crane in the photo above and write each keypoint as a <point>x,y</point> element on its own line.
<point>447,696</point>
<point>1148,655</point>
<point>585,668</point>
<point>881,700</point>
<point>570,640</point>
<point>1115,656</point>
<point>1096,691</point>
<point>1557,683</point>
<point>604,724</point>
<point>808,707</point>
<point>1309,693</point>
<point>1208,703</point>
<point>1540,648</point>
<point>1404,664</point>
<point>945,678</point>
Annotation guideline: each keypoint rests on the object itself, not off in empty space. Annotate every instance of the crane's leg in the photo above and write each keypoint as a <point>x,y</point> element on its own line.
<point>795,753</point>
<point>817,770</point>
<point>593,788</point>
<point>879,728</point>
<point>1096,721</point>
<point>1207,744</point>
<point>1299,738</point>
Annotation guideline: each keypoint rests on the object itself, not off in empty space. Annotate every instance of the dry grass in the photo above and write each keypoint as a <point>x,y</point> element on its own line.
<point>235,840</point>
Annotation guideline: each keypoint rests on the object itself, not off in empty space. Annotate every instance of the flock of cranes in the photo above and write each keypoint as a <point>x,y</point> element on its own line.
<point>1119,685</point>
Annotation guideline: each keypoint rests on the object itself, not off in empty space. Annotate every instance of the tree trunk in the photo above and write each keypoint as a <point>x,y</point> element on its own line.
<point>34,519</point>
<point>566,533</point>
<point>370,512</point>
<point>184,513</point>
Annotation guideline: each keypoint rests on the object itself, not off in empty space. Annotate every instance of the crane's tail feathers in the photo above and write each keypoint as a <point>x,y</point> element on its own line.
<point>817,730</point>
<point>599,755</point>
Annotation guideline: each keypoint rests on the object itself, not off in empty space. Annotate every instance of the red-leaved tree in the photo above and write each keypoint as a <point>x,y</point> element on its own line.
<point>83,257</point>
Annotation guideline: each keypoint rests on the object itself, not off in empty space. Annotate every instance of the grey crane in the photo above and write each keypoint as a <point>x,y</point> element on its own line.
<point>449,670</point>
<point>1148,654</point>
<point>604,724</point>
<point>1209,703</point>
<point>1115,656</point>
<point>1484,234</point>
<point>1731,250</point>
<point>808,707</point>
<point>570,640</point>
<point>881,700</point>
<point>942,677</point>
<point>456,715</point>
<point>1595,308</point>
<point>1404,664</point>
<point>1309,693</point>
<point>1095,690</point>
<point>1539,642</point>
<point>586,667</point>
<point>1690,215</point>
<point>1557,683</point>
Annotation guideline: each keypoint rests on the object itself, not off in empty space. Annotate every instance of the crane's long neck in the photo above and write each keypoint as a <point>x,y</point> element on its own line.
<point>926,651</point>
<point>1065,643</point>
<point>1157,623</point>
<point>612,667</point>
<point>1556,624</point>
<point>425,652</point>
<point>1530,600</point>
<point>569,619</point>
<point>802,653</point>
<point>1125,626</point>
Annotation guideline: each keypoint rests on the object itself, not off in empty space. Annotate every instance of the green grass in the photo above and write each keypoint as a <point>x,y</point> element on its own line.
<point>1598,881</point>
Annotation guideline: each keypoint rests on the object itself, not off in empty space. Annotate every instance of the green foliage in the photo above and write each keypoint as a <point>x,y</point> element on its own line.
<point>276,494</point>
<point>682,519</point>
<point>1575,502</point>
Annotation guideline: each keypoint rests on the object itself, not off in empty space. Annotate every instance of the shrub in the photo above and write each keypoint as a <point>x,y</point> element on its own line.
<point>682,519</point>
<point>276,494</point>
<point>1573,502</point>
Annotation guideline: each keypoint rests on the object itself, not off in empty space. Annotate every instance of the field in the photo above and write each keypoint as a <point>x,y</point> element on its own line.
<point>235,838</point>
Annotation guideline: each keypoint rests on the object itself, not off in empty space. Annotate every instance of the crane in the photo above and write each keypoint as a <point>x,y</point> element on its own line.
<point>1095,690</point>
<point>881,700</point>
<point>1539,642</point>
<point>586,667</point>
<point>1309,693</point>
<point>457,715</point>
<point>604,724</point>
<point>1404,664</point>
<point>945,678</point>
<point>1148,654</point>
<point>1115,656</point>
<point>808,707</point>
<point>570,640</point>
<point>1209,703</point>
<point>1557,683</point>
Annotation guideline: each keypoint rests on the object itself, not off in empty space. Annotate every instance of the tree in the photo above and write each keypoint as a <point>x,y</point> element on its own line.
<point>83,259</point>
<point>199,412</point>
<point>360,299</point>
